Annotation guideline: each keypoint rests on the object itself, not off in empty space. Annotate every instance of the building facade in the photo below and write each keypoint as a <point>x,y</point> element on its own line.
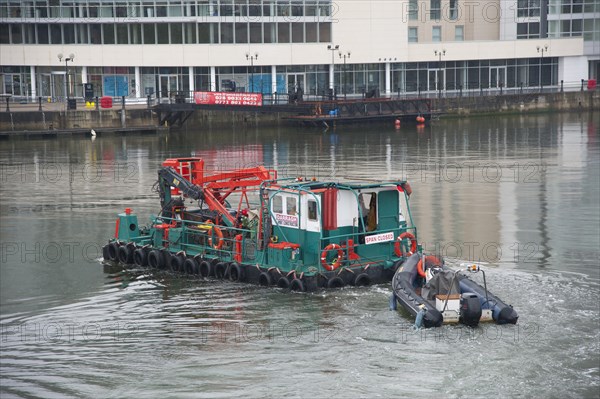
<point>140,48</point>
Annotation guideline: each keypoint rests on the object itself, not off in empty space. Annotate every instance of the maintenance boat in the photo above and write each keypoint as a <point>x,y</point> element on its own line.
<point>435,294</point>
<point>248,225</point>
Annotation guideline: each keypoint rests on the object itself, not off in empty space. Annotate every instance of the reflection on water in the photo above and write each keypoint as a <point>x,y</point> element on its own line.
<point>518,193</point>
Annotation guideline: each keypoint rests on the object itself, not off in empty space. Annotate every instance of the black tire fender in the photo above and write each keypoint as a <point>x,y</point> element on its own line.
<point>236,273</point>
<point>220,270</point>
<point>283,282</point>
<point>297,285</point>
<point>264,279</point>
<point>113,251</point>
<point>335,282</point>
<point>140,257</point>
<point>362,280</point>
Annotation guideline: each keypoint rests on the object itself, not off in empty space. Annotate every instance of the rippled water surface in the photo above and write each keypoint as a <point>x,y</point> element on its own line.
<point>517,194</point>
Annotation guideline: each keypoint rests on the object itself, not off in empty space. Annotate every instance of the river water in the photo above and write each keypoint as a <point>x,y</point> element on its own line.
<point>519,195</point>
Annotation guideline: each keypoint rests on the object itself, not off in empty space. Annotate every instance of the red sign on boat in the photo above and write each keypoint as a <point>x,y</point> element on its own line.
<point>227,98</point>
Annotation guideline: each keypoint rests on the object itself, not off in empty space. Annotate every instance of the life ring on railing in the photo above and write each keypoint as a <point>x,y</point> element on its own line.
<point>413,244</point>
<point>428,259</point>
<point>219,234</point>
<point>336,263</point>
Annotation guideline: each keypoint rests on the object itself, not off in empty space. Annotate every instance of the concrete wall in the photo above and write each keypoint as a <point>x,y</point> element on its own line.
<point>51,120</point>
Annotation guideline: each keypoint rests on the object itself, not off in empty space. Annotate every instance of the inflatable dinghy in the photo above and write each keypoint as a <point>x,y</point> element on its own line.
<point>435,294</point>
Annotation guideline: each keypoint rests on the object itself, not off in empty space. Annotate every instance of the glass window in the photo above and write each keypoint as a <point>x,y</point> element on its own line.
<point>297,32</point>
<point>208,33</point>
<point>176,33</point>
<point>290,206</point>
<point>162,33</point>
<point>413,34</point>
<point>283,32</point>
<point>149,34</point>
<point>55,34</point>
<point>270,32</point>
<point>190,32</point>
<point>453,11</point>
<point>435,12</point>
<point>16,35</point>
<point>311,32</point>
<point>459,33</point>
<point>413,10</point>
<point>96,34</point>
<point>255,32</point>
<point>135,33</point>
<point>312,210</point>
<point>122,34</point>
<point>241,32</point>
<point>108,30</point>
<point>436,34</point>
<point>4,35</point>
<point>324,32</point>
<point>227,33</point>
<point>277,204</point>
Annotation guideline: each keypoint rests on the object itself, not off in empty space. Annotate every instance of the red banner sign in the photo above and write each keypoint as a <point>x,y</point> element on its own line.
<point>227,98</point>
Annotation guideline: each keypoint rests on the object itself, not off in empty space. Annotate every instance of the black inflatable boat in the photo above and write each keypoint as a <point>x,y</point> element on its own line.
<point>435,294</point>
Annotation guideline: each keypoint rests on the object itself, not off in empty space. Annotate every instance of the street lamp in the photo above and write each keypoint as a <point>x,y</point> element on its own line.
<point>344,55</point>
<point>542,50</point>
<point>439,73</point>
<point>252,57</point>
<point>333,49</point>
<point>71,57</point>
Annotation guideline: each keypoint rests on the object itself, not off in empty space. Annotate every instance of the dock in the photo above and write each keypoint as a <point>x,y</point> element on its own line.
<point>101,131</point>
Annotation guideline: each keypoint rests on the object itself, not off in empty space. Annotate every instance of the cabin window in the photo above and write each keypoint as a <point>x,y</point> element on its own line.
<point>277,204</point>
<point>291,208</point>
<point>312,210</point>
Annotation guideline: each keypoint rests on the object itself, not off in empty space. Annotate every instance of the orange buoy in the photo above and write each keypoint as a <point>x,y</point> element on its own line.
<point>420,119</point>
<point>397,123</point>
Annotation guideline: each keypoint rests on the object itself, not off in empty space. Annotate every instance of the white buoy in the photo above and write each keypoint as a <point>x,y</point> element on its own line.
<point>93,133</point>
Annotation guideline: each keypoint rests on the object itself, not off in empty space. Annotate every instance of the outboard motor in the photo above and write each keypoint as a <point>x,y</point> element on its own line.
<point>470,309</point>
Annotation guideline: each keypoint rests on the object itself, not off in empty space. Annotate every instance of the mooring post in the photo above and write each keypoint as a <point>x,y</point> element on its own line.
<point>97,105</point>
<point>123,116</point>
<point>7,106</point>
<point>561,85</point>
<point>521,86</point>
<point>582,80</point>
<point>39,103</point>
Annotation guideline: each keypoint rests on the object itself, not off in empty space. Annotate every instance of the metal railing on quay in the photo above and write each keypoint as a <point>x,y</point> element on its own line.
<point>13,103</point>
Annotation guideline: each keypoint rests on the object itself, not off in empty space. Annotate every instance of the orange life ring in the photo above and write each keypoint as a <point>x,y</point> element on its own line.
<point>413,244</point>
<point>429,258</point>
<point>219,234</point>
<point>336,263</point>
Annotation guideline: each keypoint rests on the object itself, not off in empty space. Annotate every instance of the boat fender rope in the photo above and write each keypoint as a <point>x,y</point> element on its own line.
<point>367,266</point>
<point>291,272</point>
<point>301,275</point>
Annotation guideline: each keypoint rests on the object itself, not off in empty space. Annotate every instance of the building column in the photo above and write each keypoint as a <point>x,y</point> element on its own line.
<point>273,79</point>
<point>191,81</point>
<point>33,83</point>
<point>84,75</point>
<point>388,78</point>
<point>138,82</point>
<point>213,79</point>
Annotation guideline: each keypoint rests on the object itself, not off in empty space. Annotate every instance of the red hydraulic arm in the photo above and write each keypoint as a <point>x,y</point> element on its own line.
<point>218,187</point>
